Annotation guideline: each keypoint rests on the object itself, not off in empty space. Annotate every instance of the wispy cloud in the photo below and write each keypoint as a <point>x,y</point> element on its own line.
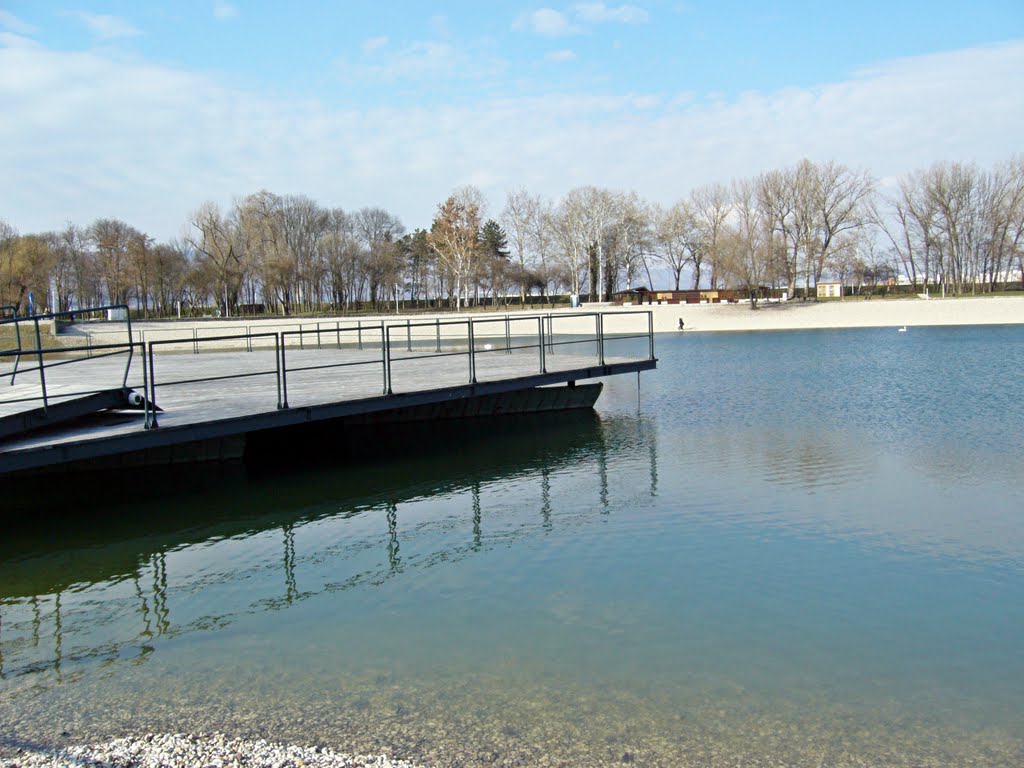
<point>224,10</point>
<point>371,44</point>
<point>599,13</point>
<point>88,134</point>
<point>439,61</point>
<point>417,60</point>
<point>547,22</point>
<point>563,55</point>
<point>106,27</point>
<point>11,22</point>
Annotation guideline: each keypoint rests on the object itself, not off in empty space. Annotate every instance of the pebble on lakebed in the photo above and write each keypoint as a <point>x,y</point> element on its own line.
<point>204,751</point>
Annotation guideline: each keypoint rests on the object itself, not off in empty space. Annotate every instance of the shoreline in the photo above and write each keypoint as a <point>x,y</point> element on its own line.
<point>203,749</point>
<point>788,316</point>
<point>858,313</point>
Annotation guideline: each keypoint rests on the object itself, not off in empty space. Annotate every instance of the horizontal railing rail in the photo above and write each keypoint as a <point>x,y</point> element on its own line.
<point>41,353</point>
<point>386,343</point>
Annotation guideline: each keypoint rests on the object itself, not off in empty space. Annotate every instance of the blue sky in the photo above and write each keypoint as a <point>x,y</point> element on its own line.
<point>145,110</point>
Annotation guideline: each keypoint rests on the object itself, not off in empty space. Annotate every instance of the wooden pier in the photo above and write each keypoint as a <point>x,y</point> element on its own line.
<point>178,396</point>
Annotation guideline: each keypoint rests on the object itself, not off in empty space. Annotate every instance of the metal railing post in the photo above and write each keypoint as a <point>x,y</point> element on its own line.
<point>472,354</point>
<point>650,333</point>
<point>39,356</point>
<point>17,356</point>
<point>337,333</point>
<point>147,423</point>
<point>540,343</point>
<point>385,331</point>
<point>152,386</point>
<point>277,370</point>
<point>508,336</point>
<point>195,341</point>
<point>437,327</point>
<point>284,370</point>
<point>359,328</point>
<point>248,337</point>
<point>600,339</point>
<point>408,335</point>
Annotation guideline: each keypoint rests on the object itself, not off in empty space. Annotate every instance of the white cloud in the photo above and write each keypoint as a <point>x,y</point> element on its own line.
<point>597,13</point>
<point>107,27</point>
<point>549,22</point>
<point>87,134</point>
<point>10,40</point>
<point>374,43</point>
<point>14,24</point>
<point>563,55</point>
<point>417,61</point>
<point>224,10</point>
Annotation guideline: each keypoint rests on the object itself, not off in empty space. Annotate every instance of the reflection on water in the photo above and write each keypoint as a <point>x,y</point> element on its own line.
<point>767,562</point>
<point>37,572</point>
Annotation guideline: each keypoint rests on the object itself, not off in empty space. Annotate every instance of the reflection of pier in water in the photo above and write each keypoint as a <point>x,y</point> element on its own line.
<point>115,611</point>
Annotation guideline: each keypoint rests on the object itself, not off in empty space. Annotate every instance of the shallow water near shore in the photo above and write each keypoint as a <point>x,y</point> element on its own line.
<point>791,548</point>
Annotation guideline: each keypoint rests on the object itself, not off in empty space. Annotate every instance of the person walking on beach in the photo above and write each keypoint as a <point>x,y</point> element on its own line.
<point>680,323</point>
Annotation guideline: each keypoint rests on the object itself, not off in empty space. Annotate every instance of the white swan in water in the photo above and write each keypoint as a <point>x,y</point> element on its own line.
<point>903,329</point>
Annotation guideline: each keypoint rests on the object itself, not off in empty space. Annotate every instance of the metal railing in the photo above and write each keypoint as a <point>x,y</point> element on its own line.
<point>16,349</point>
<point>62,352</point>
<point>471,339</point>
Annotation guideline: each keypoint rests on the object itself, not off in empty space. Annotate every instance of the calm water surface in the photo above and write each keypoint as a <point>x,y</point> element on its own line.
<point>801,548</point>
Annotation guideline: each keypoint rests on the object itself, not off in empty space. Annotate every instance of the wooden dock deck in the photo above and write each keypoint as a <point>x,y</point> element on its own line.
<point>227,386</point>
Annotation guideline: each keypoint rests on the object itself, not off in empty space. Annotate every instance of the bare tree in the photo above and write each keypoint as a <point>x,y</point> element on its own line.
<point>748,244</point>
<point>710,206</point>
<point>454,235</point>
<point>170,266</point>
<point>379,231</point>
<point>140,256</point>
<point>112,239</point>
<point>783,200</point>
<point>10,280</point>
<point>215,239</point>
<point>841,200</point>
<point>518,217</point>
<point>543,238</point>
<point>573,231</point>
<point>270,267</point>
<point>674,235</point>
<point>634,235</point>
<point>344,258</point>
<point>304,223</point>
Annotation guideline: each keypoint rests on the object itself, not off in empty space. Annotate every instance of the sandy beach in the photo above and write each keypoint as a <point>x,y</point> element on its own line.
<point>698,318</point>
<point>878,313</point>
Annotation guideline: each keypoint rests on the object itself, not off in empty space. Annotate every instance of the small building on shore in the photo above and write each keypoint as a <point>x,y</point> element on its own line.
<point>830,289</point>
<point>695,296</point>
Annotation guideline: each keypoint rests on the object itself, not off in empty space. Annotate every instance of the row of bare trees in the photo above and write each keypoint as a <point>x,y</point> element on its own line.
<point>106,262</point>
<point>958,226</point>
<point>952,225</point>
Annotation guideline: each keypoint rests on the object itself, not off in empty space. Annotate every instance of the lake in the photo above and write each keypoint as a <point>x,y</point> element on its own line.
<point>794,548</point>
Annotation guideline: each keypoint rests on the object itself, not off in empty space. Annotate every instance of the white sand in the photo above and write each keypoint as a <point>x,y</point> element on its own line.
<point>851,313</point>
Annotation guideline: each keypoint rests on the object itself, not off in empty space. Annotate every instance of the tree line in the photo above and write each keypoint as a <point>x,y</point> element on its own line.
<point>952,226</point>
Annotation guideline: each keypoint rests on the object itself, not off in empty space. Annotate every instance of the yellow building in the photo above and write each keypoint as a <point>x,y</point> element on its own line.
<point>830,290</point>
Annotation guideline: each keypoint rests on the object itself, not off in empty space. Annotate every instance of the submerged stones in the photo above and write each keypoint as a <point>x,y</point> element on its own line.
<point>205,750</point>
